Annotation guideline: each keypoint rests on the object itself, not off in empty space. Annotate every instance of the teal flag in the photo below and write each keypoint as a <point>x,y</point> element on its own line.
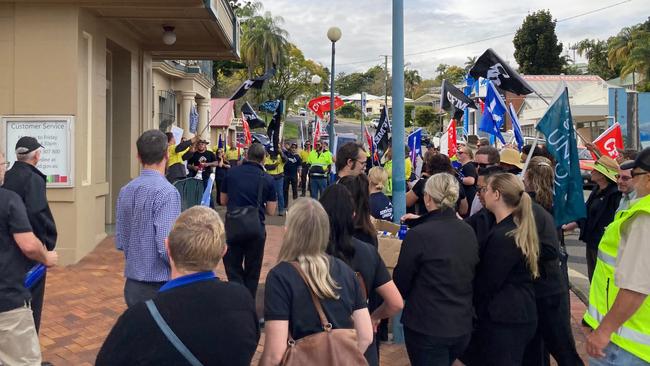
<point>557,127</point>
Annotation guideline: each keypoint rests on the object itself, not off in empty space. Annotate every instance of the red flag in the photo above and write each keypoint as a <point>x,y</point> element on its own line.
<point>247,130</point>
<point>452,145</point>
<point>316,132</point>
<point>321,105</point>
<point>610,141</point>
<point>482,104</point>
<point>368,137</point>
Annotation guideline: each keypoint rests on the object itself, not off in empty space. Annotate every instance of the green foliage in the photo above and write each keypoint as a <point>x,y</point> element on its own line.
<point>452,73</point>
<point>372,81</point>
<point>263,41</point>
<point>537,50</point>
<point>595,51</point>
<point>425,116</point>
<point>408,118</point>
<point>349,110</point>
<point>425,87</point>
<point>630,50</point>
<point>411,80</point>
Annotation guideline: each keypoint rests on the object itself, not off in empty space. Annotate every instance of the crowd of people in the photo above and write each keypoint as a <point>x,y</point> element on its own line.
<point>481,277</point>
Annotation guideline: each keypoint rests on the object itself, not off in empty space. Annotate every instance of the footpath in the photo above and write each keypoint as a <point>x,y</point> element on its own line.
<point>84,300</point>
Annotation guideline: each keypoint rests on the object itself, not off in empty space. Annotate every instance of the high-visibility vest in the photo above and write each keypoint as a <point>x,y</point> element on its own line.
<point>274,166</point>
<point>388,167</point>
<point>173,156</point>
<point>634,335</point>
<point>319,162</point>
<point>232,153</point>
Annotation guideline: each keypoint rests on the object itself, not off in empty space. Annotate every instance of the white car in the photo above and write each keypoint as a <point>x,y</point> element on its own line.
<point>374,123</point>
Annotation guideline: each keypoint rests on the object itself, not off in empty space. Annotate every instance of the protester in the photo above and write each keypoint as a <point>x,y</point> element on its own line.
<point>20,249</point>
<point>202,162</point>
<point>304,157</point>
<point>626,154</point>
<point>288,306</point>
<point>243,261</point>
<point>358,186</point>
<point>388,167</point>
<point>504,295</point>
<point>601,207</point>
<point>625,183</point>
<point>292,172</point>
<point>220,172</point>
<point>175,167</point>
<point>380,206</point>
<point>483,142</point>
<point>436,280</point>
<point>350,159</point>
<point>363,258</point>
<point>319,161</point>
<point>469,173</point>
<point>233,154</point>
<point>619,311</point>
<point>145,212</point>
<point>214,320</point>
<point>510,161</point>
<point>28,182</point>
<point>486,156</point>
<point>274,165</point>
<point>540,150</point>
<point>483,221</point>
<point>438,163</point>
<point>553,334</point>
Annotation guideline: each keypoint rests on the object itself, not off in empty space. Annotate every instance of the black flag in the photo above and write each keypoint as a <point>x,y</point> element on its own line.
<point>252,83</point>
<point>381,139</point>
<point>274,128</point>
<point>454,101</point>
<point>491,66</point>
<point>253,119</point>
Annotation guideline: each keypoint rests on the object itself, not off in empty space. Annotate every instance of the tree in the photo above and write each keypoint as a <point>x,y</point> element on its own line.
<point>452,73</point>
<point>425,116</point>
<point>470,63</point>
<point>411,79</point>
<point>263,41</point>
<point>408,118</point>
<point>293,78</point>
<point>630,50</point>
<point>425,87</point>
<point>595,51</point>
<point>537,50</point>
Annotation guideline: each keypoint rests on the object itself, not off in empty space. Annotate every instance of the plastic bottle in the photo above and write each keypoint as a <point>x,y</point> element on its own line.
<point>402,232</point>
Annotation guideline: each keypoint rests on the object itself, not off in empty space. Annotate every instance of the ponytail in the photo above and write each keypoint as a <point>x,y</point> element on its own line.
<point>526,232</point>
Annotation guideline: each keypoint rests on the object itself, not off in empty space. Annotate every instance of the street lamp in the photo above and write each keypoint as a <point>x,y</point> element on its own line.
<point>334,34</point>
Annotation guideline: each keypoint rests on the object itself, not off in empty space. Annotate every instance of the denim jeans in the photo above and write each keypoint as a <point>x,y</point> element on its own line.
<point>316,186</point>
<point>425,350</point>
<point>278,183</point>
<point>616,356</point>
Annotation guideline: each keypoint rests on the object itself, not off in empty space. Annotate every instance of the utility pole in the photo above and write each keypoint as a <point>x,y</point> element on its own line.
<point>386,82</point>
<point>399,180</point>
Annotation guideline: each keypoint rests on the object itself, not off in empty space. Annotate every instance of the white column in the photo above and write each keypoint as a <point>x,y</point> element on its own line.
<point>186,107</point>
<point>204,114</point>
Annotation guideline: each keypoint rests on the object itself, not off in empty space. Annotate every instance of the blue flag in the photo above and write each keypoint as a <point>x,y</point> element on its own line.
<point>557,127</point>
<point>205,199</point>
<point>516,127</point>
<point>194,119</point>
<point>220,143</point>
<point>494,113</point>
<point>415,144</point>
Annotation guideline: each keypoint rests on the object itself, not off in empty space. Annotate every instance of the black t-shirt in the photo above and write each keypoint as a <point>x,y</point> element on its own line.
<point>215,320</point>
<point>369,264</point>
<point>202,157</point>
<point>381,207</point>
<point>418,189</point>
<point>469,170</point>
<point>220,172</point>
<point>286,297</point>
<point>242,184</point>
<point>13,263</point>
<point>292,164</point>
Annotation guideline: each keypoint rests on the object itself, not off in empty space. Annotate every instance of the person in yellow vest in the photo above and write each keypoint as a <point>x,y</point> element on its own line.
<point>388,167</point>
<point>619,307</point>
<point>274,165</point>
<point>233,154</point>
<point>319,166</point>
<point>175,167</point>
<point>304,156</point>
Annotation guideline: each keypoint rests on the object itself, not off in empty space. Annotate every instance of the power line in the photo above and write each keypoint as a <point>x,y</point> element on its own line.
<point>496,36</point>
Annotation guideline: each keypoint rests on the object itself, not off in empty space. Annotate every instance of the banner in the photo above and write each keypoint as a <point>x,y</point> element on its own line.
<point>255,83</point>
<point>415,144</point>
<point>254,121</point>
<point>448,142</point>
<point>316,132</point>
<point>194,119</point>
<point>557,127</point>
<point>491,66</point>
<point>273,132</point>
<point>247,131</point>
<point>494,113</point>
<point>454,101</point>
<point>321,105</point>
<point>610,141</point>
<point>516,127</point>
<point>381,139</point>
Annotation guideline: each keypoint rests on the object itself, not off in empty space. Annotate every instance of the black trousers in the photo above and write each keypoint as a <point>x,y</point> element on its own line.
<point>553,334</point>
<point>426,350</point>
<point>500,344</point>
<point>592,255</point>
<point>38,296</point>
<point>293,181</point>
<point>243,262</point>
<point>218,182</point>
<point>303,179</point>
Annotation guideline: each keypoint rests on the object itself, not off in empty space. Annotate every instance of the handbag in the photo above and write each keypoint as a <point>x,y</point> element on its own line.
<point>243,224</point>
<point>329,347</point>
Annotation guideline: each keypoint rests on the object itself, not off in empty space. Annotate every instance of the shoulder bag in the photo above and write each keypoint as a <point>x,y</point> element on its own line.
<point>329,347</point>
<point>243,224</point>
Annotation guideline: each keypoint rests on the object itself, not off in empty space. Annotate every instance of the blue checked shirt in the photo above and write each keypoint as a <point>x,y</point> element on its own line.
<point>146,210</point>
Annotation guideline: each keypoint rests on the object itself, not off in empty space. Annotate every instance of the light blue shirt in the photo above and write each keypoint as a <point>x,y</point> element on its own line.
<point>146,210</point>
<point>626,200</point>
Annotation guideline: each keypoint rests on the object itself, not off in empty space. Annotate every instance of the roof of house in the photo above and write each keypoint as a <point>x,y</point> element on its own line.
<point>225,109</point>
<point>627,81</point>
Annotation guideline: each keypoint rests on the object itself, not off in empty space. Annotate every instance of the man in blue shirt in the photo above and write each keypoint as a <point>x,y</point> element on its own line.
<point>243,261</point>
<point>146,210</point>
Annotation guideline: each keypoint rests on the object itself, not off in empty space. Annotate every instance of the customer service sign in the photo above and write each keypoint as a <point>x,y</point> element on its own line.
<point>55,133</point>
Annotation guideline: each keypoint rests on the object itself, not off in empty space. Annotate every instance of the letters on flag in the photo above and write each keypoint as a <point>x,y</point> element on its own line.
<point>415,144</point>
<point>381,140</point>
<point>557,127</point>
<point>256,83</point>
<point>454,100</point>
<point>491,66</point>
<point>321,105</point>
<point>254,121</point>
<point>516,128</point>
<point>493,114</point>
<point>610,141</point>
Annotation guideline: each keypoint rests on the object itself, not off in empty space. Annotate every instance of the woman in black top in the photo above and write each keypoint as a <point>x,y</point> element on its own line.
<point>504,295</point>
<point>220,172</point>
<point>435,274</point>
<point>359,186</point>
<point>288,307</point>
<point>469,173</point>
<point>362,257</point>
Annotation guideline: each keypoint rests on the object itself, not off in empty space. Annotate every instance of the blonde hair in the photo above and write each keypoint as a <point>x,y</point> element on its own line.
<point>467,150</point>
<point>540,178</point>
<point>443,189</point>
<point>305,240</point>
<point>514,196</point>
<point>197,240</point>
<point>377,177</point>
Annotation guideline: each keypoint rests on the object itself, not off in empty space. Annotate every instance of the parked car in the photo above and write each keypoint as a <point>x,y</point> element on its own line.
<point>587,160</point>
<point>374,123</point>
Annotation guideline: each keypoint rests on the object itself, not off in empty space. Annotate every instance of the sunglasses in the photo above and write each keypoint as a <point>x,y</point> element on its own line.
<point>623,178</point>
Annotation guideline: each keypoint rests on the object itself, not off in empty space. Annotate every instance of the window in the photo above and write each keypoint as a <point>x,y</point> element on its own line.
<point>166,109</point>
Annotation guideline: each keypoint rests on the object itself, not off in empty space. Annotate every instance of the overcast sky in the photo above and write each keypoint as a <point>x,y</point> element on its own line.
<point>433,24</point>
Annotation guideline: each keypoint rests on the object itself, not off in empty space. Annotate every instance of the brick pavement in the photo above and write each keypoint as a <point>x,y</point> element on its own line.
<point>83,301</point>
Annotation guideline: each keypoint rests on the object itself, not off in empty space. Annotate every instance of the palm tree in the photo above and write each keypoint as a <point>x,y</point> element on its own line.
<point>470,63</point>
<point>411,78</point>
<point>620,46</point>
<point>263,42</point>
<point>638,58</point>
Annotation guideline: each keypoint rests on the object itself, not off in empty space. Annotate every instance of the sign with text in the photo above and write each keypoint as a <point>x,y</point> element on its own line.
<point>55,133</point>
